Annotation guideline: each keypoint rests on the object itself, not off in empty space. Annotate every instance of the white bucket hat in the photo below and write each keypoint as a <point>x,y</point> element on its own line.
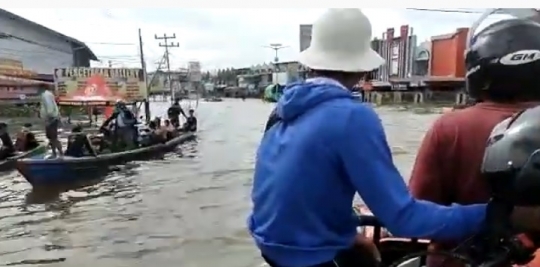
<point>341,41</point>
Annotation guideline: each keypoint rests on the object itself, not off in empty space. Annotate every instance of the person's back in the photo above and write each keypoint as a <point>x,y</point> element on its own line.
<point>126,118</point>
<point>290,186</point>
<point>174,112</point>
<point>447,168</point>
<point>75,145</point>
<point>78,144</point>
<point>297,187</point>
<point>31,141</point>
<point>448,165</point>
<point>26,140</point>
<point>453,149</point>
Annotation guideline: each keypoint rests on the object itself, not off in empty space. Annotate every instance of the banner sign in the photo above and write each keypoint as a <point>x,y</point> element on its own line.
<point>81,84</point>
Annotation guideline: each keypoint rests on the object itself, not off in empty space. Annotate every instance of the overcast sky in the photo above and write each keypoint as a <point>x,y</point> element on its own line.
<point>218,38</point>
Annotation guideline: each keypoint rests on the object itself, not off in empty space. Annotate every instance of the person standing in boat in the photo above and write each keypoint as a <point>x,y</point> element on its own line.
<point>8,149</point>
<point>78,144</point>
<point>307,173</point>
<point>125,131</point>
<point>447,167</point>
<point>50,113</point>
<point>174,112</point>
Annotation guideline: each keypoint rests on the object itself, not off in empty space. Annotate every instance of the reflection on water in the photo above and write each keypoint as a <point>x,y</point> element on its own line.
<point>187,209</point>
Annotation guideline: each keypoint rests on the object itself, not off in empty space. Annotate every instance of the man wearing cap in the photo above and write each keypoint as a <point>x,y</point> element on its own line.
<point>323,148</point>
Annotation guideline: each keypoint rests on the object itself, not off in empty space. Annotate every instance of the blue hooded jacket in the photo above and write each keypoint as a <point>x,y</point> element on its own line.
<point>326,147</point>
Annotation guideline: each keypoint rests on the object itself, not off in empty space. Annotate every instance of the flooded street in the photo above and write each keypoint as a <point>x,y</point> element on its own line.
<point>187,210</point>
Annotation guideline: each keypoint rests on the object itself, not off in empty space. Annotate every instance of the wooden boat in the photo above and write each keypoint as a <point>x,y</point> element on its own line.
<point>213,99</point>
<point>39,171</point>
<point>9,163</point>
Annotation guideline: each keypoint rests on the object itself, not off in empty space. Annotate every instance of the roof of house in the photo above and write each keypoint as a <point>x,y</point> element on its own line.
<point>83,46</point>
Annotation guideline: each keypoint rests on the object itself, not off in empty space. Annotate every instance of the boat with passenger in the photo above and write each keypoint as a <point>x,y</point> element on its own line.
<point>121,138</point>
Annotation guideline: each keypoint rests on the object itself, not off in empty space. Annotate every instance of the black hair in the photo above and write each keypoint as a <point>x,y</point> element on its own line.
<point>77,128</point>
<point>191,110</point>
<point>340,76</point>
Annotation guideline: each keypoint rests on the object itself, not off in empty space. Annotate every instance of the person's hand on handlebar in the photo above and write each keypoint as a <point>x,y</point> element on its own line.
<point>367,243</point>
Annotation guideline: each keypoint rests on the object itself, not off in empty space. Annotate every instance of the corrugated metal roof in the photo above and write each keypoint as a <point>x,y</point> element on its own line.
<point>83,46</point>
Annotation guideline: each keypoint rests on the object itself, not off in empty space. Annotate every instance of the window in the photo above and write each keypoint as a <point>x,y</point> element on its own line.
<point>395,51</point>
<point>395,67</point>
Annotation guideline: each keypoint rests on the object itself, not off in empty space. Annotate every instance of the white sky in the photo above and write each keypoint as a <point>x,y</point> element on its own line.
<point>218,38</point>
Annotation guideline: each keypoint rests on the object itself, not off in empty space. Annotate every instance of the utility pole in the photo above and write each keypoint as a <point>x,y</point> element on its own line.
<point>276,48</point>
<point>168,45</point>
<point>145,75</point>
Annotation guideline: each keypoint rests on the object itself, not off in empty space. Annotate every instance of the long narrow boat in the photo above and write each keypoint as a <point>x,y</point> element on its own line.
<point>9,163</point>
<point>39,171</point>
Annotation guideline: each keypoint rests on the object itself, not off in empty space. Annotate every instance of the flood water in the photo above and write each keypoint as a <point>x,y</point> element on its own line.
<point>187,210</point>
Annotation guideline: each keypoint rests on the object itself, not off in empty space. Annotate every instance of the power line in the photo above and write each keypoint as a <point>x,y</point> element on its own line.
<point>446,10</point>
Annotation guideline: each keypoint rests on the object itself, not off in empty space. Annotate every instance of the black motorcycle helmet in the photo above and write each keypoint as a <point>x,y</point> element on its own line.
<point>503,62</point>
<point>512,159</point>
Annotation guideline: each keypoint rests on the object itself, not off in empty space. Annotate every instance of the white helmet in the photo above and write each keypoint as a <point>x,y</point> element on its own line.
<point>341,41</point>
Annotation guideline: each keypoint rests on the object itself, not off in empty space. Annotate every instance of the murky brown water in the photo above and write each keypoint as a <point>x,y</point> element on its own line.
<point>187,210</point>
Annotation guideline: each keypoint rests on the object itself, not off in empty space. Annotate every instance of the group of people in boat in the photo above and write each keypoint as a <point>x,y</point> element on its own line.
<point>120,132</point>
<point>123,131</point>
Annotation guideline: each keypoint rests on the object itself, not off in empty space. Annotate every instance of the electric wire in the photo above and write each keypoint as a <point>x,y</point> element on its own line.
<point>446,10</point>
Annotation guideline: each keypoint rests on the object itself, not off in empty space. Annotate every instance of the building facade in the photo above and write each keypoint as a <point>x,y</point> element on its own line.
<point>39,48</point>
<point>398,52</point>
<point>159,81</point>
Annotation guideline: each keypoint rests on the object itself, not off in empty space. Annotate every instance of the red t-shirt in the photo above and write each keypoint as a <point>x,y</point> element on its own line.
<point>447,167</point>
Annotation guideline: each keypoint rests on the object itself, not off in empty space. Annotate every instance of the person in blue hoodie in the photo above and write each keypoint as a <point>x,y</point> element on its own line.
<point>323,148</point>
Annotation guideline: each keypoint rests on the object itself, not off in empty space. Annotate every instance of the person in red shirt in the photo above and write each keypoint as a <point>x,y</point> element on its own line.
<point>503,70</point>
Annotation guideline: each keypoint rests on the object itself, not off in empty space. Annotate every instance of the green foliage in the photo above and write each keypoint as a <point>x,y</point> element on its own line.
<point>30,111</point>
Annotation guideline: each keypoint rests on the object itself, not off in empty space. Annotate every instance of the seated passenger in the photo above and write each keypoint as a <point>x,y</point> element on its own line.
<point>159,134</point>
<point>157,120</point>
<point>152,135</point>
<point>8,149</point>
<point>26,140</point>
<point>169,129</point>
<point>191,122</point>
<point>78,144</point>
